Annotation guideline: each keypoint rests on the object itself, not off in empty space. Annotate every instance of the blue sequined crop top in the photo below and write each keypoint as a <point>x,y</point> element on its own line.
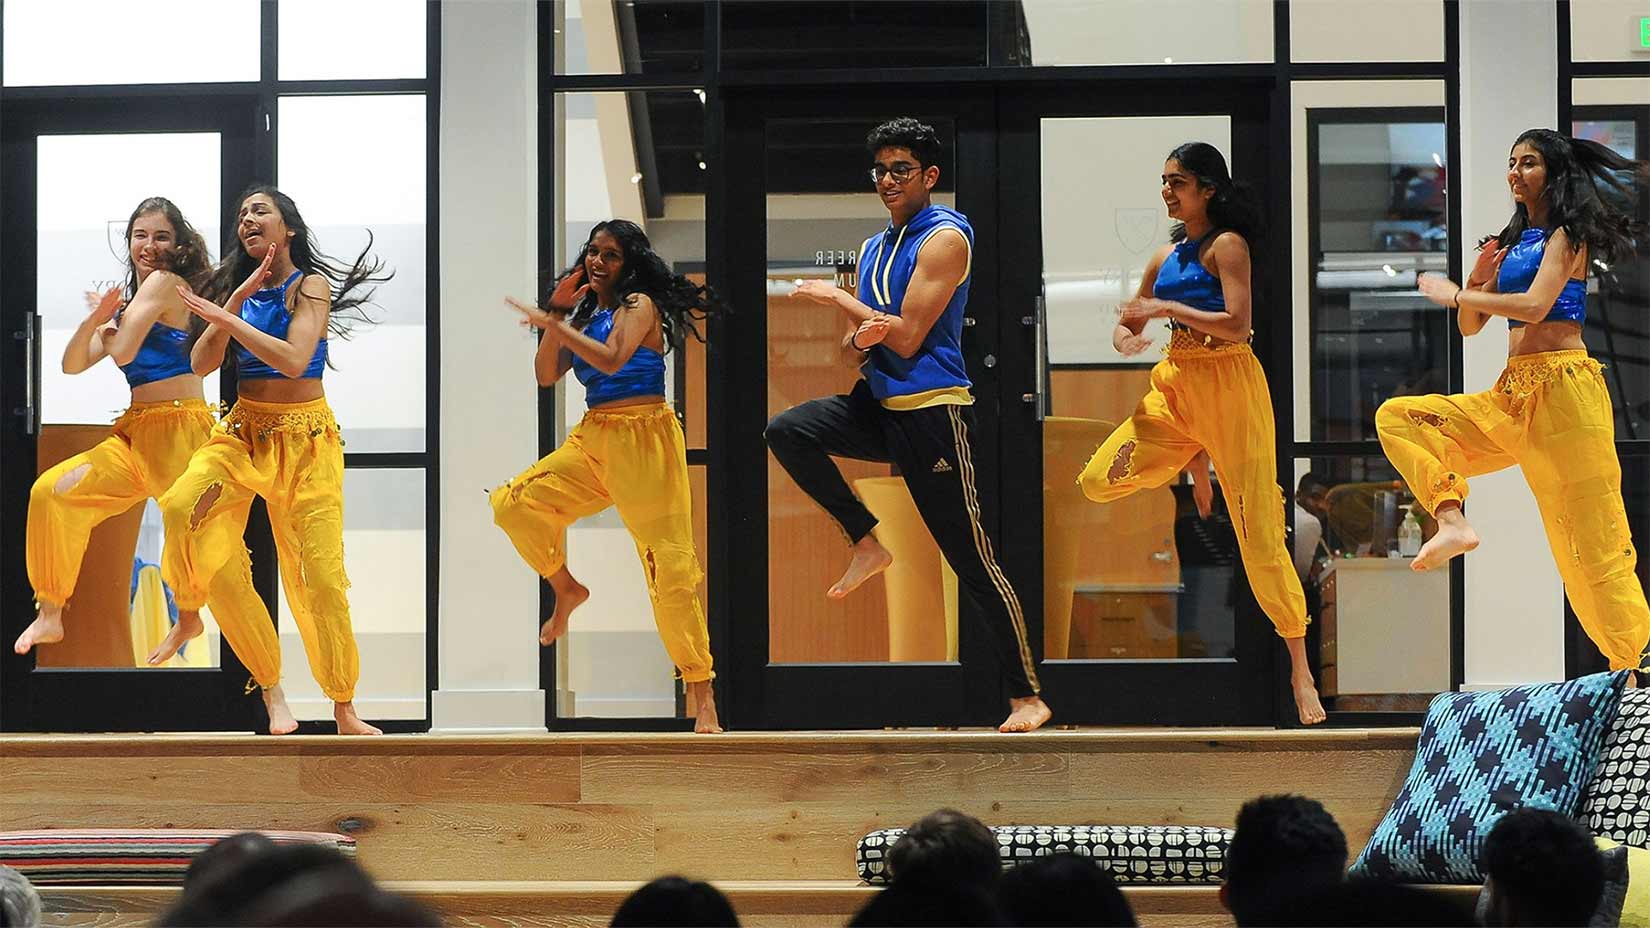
<point>1518,271</point>
<point>164,354</point>
<point>267,311</point>
<point>642,375</point>
<point>1184,279</point>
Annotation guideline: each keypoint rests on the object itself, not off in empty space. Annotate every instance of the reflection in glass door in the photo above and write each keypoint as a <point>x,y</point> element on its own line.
<point>73,178</point>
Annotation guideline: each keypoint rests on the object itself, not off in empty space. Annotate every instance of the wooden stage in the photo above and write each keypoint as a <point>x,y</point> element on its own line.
<point>554,829</point>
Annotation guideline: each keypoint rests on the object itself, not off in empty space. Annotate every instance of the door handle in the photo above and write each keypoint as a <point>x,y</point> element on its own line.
<point>1038,323</point>
<point>30,409</point>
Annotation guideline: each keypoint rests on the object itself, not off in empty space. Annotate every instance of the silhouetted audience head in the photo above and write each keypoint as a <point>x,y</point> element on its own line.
<point>291,886</point>
<point>1062,889</point>
<point>1283,846</point>
<point>225,854</point>
<point>19,903</point>
<point>1540,868</point>
<point>946,848</point>
<point>673,902</point>
<point>1367,903</point>
<point>920,904</point>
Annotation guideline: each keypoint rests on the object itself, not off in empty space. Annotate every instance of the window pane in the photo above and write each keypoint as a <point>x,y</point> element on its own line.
<point>386,39</point>
<point>634,156</point>
<point>1400,30</point>
<point>1077,32</point>
<point>1609,30</point>
<point>374,185</point>
<point>386,558</point>
<point>1370,156</point>
<point>854,33</point>
<point>1618,294</point>
<point>630,37</point>
<point>1355,527</point>
<point>101,42</point>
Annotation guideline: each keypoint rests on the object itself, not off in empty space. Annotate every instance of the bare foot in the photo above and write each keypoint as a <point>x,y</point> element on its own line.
<point>281,719</point>
<point>1306,701</point>
<point>349,723</point>
<point>569,596</point>
<point>47,628</point>
<point>1027,714</point>
<point>870,558</point>
<point>701,700</point>
<point>1454,537</point>
<point>188,626</point>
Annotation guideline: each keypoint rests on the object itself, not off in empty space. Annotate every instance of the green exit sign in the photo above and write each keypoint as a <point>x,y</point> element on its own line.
<point>1644,32</point>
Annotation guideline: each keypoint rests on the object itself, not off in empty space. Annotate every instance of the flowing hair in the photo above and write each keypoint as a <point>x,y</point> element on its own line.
<point>682,303</point>
<point>1582,175</point>
<point>188,257</point>
<point>352,285</point>
<point>1233,206</point>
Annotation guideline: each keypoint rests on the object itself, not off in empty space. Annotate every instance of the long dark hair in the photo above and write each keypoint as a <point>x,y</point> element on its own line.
<point>1233,206</point>
<point>1580,175</point>
<point>681,302</point>
<point>353,284</point>
<point>188,258</point>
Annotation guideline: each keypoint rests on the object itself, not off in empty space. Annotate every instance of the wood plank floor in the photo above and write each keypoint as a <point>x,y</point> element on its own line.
<point>628,807</point>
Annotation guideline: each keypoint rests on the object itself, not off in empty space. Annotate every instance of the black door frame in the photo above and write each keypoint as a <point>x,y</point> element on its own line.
<point>1234,691</point>
<point>124,699</point>
<point>845,695</point>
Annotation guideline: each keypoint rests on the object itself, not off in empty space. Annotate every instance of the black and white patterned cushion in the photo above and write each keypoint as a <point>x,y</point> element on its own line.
<point>1616,804</point>
<point>1130,853</point>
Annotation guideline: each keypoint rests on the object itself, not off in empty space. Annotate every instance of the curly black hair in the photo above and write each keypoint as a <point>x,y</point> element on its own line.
<point>906,132</point>
<point>682,304</point>
<point>1543,869</point>
<point>1281,841</point>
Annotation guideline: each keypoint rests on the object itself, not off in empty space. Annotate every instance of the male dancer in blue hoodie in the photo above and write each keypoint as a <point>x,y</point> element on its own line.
<point>913,407</point>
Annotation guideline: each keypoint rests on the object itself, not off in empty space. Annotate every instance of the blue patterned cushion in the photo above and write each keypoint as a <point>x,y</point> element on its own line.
<point>1480,756</point>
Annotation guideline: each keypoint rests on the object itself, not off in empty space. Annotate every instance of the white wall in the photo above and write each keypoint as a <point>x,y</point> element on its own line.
<point>489,205</point>
<point>1514,607</point>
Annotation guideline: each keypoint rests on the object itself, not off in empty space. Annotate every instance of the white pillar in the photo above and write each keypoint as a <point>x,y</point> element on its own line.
<point>489,423</point>
<point>1514,601</point>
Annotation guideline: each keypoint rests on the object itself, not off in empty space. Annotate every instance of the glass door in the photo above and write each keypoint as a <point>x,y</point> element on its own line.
<point>904,648</point>
<point>72,176</point>
<point>1141,606</point>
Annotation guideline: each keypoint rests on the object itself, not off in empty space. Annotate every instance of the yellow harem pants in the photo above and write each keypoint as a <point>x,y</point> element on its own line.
<point>148,447</point>
<point>1214,399</point>
<point>291,455</point>
<point>633,458</point>
<point>1550,414</point>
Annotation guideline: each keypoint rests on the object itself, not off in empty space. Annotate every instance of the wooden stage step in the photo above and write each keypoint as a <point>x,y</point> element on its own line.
<point>767,807</point>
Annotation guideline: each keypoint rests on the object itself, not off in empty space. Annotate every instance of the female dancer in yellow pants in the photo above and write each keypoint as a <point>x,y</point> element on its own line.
<point>1549,412</point>
<point>611,320</point>
<point>149,445</point>
<point>279,442</point>
<point>1209,392</point>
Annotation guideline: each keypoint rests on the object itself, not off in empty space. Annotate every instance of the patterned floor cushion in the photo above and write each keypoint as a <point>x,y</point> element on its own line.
<point>1131,853</point>
<point>125,857</point>
<point>1481,755</point>
<point>1616,804</point>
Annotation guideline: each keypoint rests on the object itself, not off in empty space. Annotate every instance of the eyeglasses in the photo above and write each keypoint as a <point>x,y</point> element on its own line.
<point>900,172</point>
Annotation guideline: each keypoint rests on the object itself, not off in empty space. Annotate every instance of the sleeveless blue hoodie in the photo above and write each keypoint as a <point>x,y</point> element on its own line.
<point>886,262</point>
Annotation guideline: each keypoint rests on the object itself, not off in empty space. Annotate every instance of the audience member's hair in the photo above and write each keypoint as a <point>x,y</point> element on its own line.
<point>226,854</point>
<point>678,903</point>
<point>1062,889</point>
<point>1282,845</point>
<point>946,848</point>
<point>919,904</point>
<point>1366,902</point>
<point>19,903</point>
<point>1541,868</point>
<point>235,890</point>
